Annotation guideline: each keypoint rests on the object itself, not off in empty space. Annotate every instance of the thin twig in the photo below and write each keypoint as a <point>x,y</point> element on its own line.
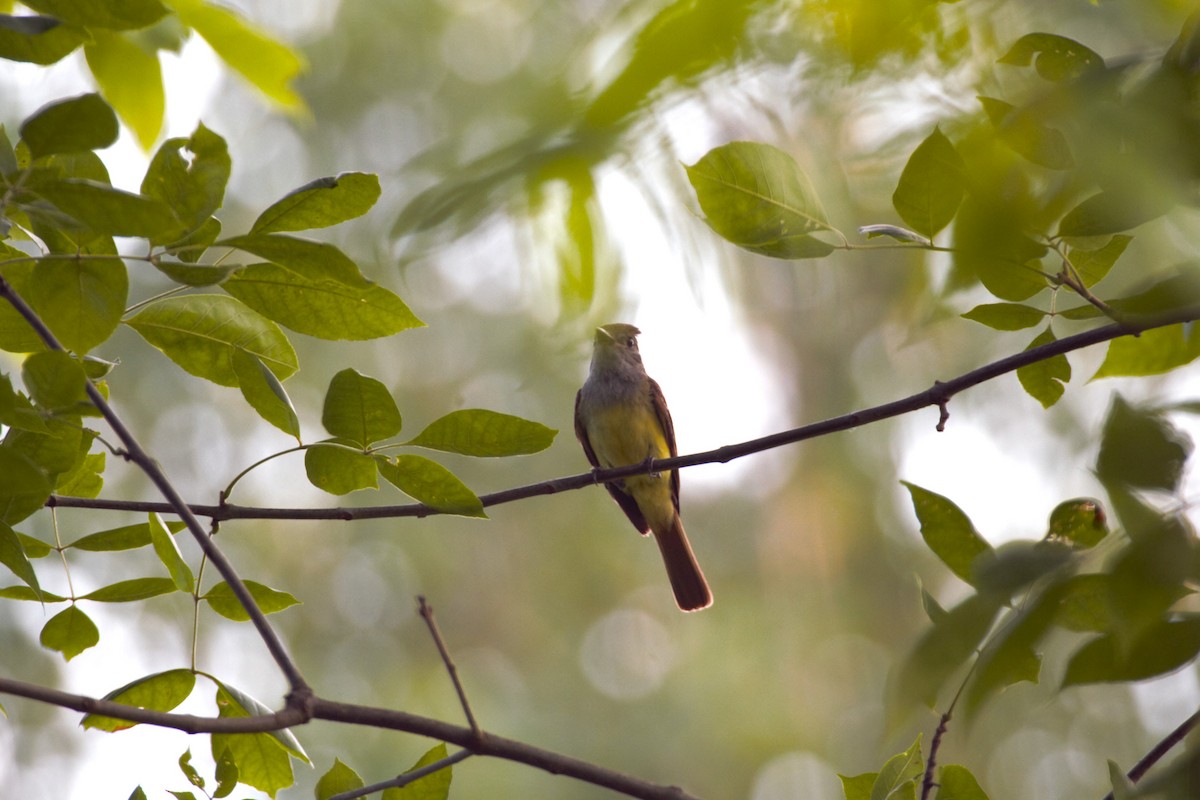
<point>300,690</point>
<point>1161,749</point>
<point>938,395</point>
<point>406,778</point>
<point>935,745</point>
<point>426,612</point>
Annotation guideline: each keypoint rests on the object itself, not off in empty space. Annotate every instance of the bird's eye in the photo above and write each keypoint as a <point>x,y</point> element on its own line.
<point>631,343</point>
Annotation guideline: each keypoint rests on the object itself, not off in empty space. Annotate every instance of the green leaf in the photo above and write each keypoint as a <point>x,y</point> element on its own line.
<point>322,308</point>
<point>85,479</point>
<point>1045,380</point>
<point>55,380</point>
<point>262,759</point>
<point>127,537</point>
<point>1141,449</point>
<point>430,483</point>
<point>1019,129</point>
<point>858,787</point>
<point>1058,58</point>
<point>1011,655</point>
<point>223,601</point>
<point>16,336</point>
<point>70,632</point>
<point>105,210</point>
<point>1163,647</point>
<point>8,156</point>
<point>321,203</point>
<point>340,468</point>
<point>1006,316</point>
<point>68,126</point>
<point>190,249</point>
<point>132,591</point>
<point>435,786</point>
<point>196,274</point>
<point>1085,603</point>
<point>1080,522</point>
<point>1151,352</point>
<point>317,261</point>
<point>267,64</point>
<point>359,409</point>
<point>957,783</point>
<point>24,487</point>
<point>168,553</point>
<point>990,243</point>
<point>138,794</point>
<point>123,15</point>
<point>265,393</point>
<point>131,79</point>
<point>12,555</point>
<point>161,691</point>
<point>948,531</point>
<point>37,39</point>
<point>1093,265</point>
<point>200,333</point>
<point>931,186</point>
<point>1122,787</point>
<point>757,197</point>
<point>193,188</point>
<point>1013,566</point>
<point>190,772</point>
<point>81,301</point>
<point>226,774</point>
<point>899,775</point>
<point>943,649</point>
<point>483,433</point>
<point>933,609</point>
<point>16,411</point>
<point>1114,211</point>
<point>34,548</point>
<point>57,450</point>
<point>26,593</point>
<point>340,778</point>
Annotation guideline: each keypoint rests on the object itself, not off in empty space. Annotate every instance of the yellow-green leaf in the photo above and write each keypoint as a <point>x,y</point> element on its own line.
<point>161,691</point>
<point>223,601</point>
<point>430,483</point>
<point>201,332</point>
<point>131,79</point>
<point>70,632</point>
<point>266,63</point>
<point>483,433</point>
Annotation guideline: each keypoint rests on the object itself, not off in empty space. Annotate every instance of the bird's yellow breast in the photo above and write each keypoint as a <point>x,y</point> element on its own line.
<point>626,434</point>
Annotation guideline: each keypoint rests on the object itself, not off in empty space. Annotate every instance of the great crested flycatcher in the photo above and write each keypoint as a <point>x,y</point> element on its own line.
<point>621,418</point>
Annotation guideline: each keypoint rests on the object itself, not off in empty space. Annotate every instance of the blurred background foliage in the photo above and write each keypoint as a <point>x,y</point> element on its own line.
<point>530,156</point>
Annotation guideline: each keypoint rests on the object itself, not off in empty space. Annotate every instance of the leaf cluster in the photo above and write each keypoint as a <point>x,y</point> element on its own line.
<point>1039,195</point>
<point>65,279</point>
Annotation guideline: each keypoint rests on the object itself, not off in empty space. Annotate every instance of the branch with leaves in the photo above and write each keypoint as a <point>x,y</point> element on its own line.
<point>1029,218</point>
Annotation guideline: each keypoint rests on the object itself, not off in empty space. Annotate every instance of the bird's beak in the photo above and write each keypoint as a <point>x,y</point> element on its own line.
<point>603,335</point>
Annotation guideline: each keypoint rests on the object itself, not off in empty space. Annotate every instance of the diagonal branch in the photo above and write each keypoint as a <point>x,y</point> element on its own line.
<point>176,505</point>
<point>938,395</point>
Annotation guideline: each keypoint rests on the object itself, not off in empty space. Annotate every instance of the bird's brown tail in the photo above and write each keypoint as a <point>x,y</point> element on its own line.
<point>687,581</point>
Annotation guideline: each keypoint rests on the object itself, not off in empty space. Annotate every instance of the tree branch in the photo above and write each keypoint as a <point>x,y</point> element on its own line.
<point>1161,749</point>
<point>406,778</point>
<point>135,453</point>
<point>473,741</point>
<point>489,744</point>
<point>938,395</point>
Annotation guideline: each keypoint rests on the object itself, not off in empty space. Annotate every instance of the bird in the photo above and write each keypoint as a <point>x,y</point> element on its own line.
<point>621,418</point>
